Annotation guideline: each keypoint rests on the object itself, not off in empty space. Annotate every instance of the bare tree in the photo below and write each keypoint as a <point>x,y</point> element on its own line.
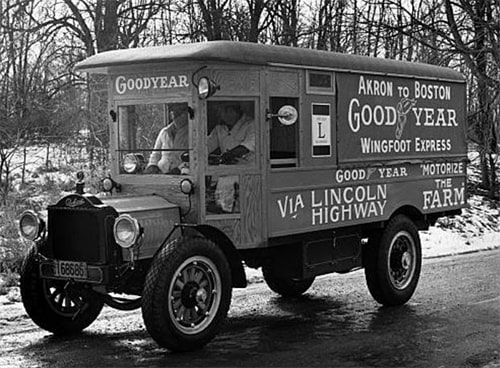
<point>258,23</point>
<point>213,13</point>
<point>476,36</point>
<point>285,28</point>
<point>27,82</point>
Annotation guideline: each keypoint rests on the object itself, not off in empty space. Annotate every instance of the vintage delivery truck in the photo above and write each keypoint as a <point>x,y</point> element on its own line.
<point>298,161</point>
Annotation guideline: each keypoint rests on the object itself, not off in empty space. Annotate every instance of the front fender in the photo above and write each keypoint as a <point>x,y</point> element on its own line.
<point>227,246</point>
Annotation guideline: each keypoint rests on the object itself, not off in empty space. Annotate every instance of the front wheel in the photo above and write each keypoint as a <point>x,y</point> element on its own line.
<point>59,306</point>
<point>392,262</point>
<point>186,294</point>
<point>285,286</point>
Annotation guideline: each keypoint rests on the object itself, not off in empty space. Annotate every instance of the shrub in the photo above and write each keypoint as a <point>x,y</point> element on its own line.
<point>7,281</point>
<point>12,252</point>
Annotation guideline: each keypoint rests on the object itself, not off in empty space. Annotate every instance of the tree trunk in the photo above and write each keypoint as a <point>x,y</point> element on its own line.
<point>23,170</point>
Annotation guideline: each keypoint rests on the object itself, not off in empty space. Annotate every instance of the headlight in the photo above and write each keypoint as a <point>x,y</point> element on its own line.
<point>126,231</point>
<point>133,163</point>
<point>30,225</point>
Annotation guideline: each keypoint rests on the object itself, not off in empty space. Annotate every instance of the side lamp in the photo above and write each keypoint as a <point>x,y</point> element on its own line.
<point>108,184</point>
<point>206,88</point>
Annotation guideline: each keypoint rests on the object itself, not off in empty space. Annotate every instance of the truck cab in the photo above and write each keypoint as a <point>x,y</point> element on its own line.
<point>225,154</point>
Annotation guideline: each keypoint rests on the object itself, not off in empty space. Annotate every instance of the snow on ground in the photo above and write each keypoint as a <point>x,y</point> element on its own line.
<point>438,242</point>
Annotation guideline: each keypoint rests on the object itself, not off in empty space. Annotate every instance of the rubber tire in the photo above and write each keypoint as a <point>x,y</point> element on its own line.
<point>38,307</point>
<point>375,260</point>
<point>286,287</point>
<point>155,307</point>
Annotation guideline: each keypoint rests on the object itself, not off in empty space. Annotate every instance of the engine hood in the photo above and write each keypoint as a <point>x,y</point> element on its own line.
<point>139,204</point>
<point>156,216</point>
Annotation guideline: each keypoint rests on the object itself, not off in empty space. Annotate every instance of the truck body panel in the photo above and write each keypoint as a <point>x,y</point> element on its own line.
<point>348,197</point>
<point>397,118</point>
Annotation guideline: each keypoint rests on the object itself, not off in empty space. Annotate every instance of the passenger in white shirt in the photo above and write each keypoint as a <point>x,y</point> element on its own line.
<point>174,135</point>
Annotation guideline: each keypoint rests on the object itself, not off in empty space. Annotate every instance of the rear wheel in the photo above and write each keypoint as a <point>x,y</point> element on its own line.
<point>187,294</point>
<point>392,262</point>
<point>285,286</point>
<point>59,306</point>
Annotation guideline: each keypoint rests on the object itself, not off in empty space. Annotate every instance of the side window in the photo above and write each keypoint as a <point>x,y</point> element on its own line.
<point>283,138</point>
<point>320,82</point>
<point>231,132</point>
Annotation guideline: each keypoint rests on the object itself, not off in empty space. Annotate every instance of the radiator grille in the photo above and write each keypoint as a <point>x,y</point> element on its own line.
<point>79,234</point>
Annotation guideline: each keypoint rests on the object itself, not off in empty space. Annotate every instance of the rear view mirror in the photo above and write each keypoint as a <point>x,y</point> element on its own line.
<point>287,115</point>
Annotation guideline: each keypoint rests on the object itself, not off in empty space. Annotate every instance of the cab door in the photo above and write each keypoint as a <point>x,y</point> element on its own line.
<point>283,147</point>
<point>233,186</point>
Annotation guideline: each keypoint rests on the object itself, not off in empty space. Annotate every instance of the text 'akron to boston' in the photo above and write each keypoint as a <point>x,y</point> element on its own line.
<point>347,204</point>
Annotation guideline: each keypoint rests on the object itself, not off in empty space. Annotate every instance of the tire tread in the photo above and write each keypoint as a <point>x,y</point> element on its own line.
<point>155,293</point>
<point>374,263</point>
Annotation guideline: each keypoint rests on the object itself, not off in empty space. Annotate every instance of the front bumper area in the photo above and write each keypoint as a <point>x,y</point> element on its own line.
<point>99,275</point>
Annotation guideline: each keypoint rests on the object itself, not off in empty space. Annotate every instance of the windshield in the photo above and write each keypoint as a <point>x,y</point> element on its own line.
<point>154,138</point>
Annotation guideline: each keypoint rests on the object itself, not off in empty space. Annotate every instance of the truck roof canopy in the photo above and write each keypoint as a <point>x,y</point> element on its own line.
<point>259,54</point>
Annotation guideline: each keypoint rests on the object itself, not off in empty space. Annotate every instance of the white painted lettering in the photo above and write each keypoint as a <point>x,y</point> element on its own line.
<point>183,81</point>
<point>445,197</point>
<point>120,85</point>
<point>348,203</point>
<point>370,87</point>
<point>124,84</point>
<point>370,146</point>
<point>367,115</point>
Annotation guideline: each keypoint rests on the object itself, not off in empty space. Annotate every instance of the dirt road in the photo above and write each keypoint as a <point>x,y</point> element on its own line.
<point>453,320</point>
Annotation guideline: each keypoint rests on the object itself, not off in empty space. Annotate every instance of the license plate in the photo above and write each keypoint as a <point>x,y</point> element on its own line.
<point>74,270</point>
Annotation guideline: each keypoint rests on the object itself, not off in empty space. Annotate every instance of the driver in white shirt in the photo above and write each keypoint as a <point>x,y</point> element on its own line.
<point>235,136</point>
